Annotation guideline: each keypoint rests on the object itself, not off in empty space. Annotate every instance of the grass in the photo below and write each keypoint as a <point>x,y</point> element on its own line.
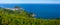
<point>7,18</point>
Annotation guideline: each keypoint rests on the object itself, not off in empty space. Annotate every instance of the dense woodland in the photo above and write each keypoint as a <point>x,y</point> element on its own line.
<point>21,17</point>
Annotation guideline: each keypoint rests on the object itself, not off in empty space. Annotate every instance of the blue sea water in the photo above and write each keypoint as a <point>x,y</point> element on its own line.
<point>41,10</point>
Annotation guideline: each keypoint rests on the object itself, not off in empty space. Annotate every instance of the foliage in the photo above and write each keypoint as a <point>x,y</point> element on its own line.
<point>9,17</point>
<point>17,6</point>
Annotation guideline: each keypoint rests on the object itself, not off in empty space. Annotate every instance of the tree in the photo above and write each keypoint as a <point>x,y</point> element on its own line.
<point>17,7</point>
<point>30,14</point>
<point>0,20</point>
<point>57,18</point>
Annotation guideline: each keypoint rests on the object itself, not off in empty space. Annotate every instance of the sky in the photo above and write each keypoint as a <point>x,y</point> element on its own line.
<point>29,1</point>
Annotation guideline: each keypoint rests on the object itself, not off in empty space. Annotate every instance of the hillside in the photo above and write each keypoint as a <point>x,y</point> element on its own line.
<point>21,17</point>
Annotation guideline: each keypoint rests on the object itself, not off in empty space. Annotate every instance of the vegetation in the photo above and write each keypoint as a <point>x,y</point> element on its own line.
<point>10,17</point>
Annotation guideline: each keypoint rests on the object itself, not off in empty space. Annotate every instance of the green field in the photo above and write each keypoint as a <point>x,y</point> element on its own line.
<point>10,17</point>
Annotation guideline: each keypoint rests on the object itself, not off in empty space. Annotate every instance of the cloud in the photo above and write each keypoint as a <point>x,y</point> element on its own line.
<point>28,1</point>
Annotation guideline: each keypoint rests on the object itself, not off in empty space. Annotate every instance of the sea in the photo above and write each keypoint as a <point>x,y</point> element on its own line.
<point>40,10</point>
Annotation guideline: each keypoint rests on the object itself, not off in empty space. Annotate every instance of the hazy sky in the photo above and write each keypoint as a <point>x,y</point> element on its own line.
<point>30,1</point>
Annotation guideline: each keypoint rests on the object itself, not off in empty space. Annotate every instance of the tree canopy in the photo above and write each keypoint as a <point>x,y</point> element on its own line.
<point>10,17</point>
<point>17,7</point>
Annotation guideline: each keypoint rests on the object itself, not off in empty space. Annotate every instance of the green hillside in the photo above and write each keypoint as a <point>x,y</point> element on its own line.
<point>21,17</point>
